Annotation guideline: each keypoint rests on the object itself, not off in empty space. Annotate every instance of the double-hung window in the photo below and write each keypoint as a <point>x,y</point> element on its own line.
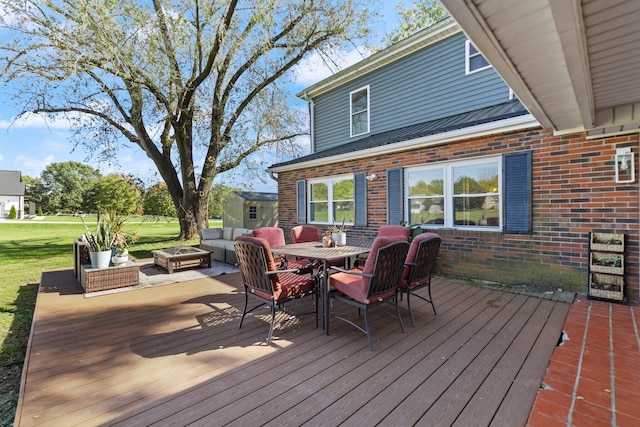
<point>474,59</point>
<point>332,200</point>
<point>426,195</point>
<point>457,194</point>
<point>359,103</point>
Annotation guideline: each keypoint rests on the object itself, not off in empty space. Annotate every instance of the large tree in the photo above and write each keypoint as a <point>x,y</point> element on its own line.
<point>198,85</point>
<point>117,193</point>
<point>157,201</point>
<point>66,187</point>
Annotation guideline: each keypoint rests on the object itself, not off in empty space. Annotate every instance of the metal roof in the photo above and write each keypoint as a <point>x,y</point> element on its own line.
<point>469,119</point>
<point>11,183</point>
<point>257,196</point>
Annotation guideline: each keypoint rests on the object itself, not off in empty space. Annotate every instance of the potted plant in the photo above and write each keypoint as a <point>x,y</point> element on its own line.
<point>339,234</point>
<point>100,242</point>
<point>109,242</point>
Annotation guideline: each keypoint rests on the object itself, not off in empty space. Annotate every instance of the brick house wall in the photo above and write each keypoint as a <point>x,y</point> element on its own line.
<point>574,192</point>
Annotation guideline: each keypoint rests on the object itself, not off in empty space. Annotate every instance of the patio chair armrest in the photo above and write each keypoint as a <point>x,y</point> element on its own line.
<point>355,273</point>
<point>290,270</point>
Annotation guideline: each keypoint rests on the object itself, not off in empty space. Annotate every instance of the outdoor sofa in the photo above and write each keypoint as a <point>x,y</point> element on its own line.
<point>219,241</point>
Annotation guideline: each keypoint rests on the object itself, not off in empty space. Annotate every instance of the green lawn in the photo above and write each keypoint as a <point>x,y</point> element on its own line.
<point>27,248</point>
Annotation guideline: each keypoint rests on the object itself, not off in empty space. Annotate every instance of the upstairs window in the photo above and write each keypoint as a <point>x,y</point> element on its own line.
<point>359,111</point>
<point>474,59</point>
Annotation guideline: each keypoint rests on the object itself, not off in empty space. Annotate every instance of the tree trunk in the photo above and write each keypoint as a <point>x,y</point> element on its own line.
<point>192,215</point>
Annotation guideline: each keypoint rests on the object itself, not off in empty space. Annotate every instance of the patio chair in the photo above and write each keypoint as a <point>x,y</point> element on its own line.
<point>275,237</point>
<point>419,264</point>
<point>263,281</point>
<point>400,231</point>
<point>305,233</point>
<point>376,283</point>
<point>394,230</point>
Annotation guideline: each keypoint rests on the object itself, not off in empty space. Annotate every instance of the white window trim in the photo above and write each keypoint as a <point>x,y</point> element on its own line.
<point>467,58</point>
<point>329,181</point>
<point>368,111</point>
<point>448,191</point>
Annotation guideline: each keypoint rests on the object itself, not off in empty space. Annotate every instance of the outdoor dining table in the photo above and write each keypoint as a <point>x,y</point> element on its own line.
<point>316,251</point>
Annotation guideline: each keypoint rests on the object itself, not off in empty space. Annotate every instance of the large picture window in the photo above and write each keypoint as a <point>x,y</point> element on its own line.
<point>360,111</point>
<point>332,200</point>
<point>459,194</point>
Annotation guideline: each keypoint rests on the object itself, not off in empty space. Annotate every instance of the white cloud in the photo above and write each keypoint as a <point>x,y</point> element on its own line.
<point>32,166</point>
<point>316,67</point>
<point>35,121</point>
<point>56,146</point>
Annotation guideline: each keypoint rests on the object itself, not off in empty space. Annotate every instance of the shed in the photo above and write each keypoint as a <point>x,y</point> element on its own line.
<point>11,193</point>
<point>250,209</point>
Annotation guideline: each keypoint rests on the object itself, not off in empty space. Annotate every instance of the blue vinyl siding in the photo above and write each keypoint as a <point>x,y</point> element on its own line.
<point>423,86</point>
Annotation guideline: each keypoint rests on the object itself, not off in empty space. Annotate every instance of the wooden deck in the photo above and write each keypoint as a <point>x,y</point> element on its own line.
<point>172,355</point>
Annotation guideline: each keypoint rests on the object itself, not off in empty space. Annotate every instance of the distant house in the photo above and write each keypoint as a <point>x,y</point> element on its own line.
<point>426,132</point>
<point>11,193</point>
<point>250,209</point>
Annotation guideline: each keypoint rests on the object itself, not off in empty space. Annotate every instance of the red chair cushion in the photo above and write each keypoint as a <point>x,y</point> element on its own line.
<point>289,284</point>
<point>271,264</point>
<point>355,286</point>
<point>411,257</point>
<point>273,235</point>
<point>285,285</point>
<point>352,285</point>
<point>304,233</point>
<point>394,230</point>
<point>378,243</point>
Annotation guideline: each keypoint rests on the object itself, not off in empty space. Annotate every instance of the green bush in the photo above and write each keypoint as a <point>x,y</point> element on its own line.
<point>40,212</point>
<point>13,214</point>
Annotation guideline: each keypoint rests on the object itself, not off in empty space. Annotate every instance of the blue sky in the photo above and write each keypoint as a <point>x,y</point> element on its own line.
<point>30,144</point>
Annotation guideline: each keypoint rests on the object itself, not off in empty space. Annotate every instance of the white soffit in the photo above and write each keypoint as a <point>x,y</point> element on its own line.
<point>575,64</point>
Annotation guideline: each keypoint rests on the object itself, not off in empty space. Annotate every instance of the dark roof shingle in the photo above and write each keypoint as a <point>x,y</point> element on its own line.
<point>446,124</point>
<point>11,183</point>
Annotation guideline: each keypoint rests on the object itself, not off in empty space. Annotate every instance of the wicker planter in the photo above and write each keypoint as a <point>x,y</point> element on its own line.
<point>606,286</point>
<point>607,242</point>
<point>607,262</point>
<point>101,279</point>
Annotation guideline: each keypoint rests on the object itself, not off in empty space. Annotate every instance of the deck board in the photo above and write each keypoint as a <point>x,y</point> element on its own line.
<point>173,354</point>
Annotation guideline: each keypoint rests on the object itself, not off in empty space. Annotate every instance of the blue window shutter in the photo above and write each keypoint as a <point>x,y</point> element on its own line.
<point>302,201</point>
<point>360,186</point>
<point>516,176</point>
<point>395,200</point>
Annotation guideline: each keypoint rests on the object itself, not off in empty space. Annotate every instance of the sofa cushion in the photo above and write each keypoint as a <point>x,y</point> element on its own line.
<point>227,233</point>
<point>211,233</point>
<point>215,243</point>
<point>240,232</point>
